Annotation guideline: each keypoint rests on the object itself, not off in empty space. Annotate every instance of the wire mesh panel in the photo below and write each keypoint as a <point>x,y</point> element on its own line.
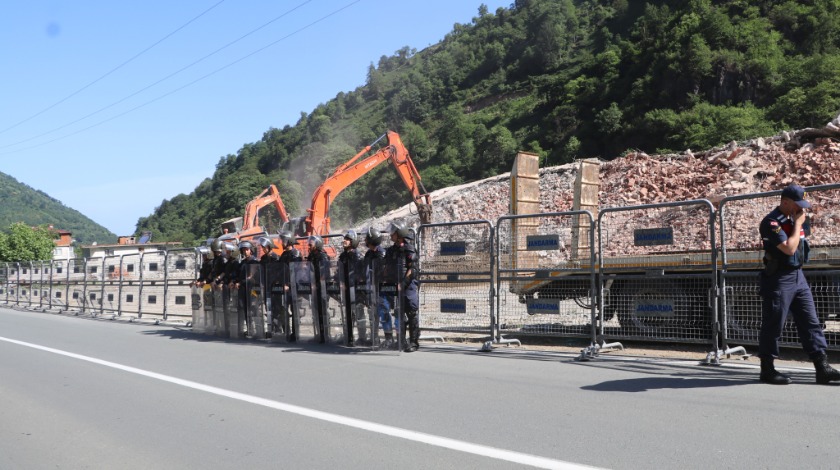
<point>546,275</point>
<point>455,272</point>
<point>742,255</point>
<point>658,272</point>
<point>180,270</point>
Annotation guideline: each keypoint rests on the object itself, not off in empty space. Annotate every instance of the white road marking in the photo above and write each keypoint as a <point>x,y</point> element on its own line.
<point>453,444</point>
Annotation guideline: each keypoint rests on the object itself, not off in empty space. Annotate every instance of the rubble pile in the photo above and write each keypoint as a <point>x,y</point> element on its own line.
<point>807,157</point>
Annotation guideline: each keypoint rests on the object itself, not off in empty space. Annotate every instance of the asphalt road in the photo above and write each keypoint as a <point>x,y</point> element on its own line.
<point>82,393</point>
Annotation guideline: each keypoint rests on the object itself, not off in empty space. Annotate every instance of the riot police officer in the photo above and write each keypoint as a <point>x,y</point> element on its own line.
<point>784,289</point>
<point>246,278</point>
<point>281,296</point>
<point>406,255</point>
<point>217,270</point>
<point>268,257</point>
<point>352,265</point>
<point>206,266</point>
<point>321,271</point>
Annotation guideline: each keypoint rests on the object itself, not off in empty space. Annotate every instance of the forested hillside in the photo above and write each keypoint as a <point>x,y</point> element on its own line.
<point>563,78</point>
<point>32,207</point>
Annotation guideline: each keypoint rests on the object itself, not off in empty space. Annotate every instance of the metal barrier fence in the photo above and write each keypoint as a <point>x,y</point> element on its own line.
<point>741,263</point>
<point>546,275</point>
<point>113,285</point>
<point>649,273</point>
<point>658,272</point>
<point>456,277</point>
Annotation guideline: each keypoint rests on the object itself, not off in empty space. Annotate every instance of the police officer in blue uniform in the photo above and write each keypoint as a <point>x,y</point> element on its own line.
<point>373,264</point>
<point>784,289</point>
<point>407,259</point>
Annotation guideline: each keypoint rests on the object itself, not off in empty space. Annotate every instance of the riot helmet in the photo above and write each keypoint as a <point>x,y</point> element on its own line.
<point>400,229</point>
<point>315,241</point>
<point>353,237</point>
<point>217,245</point>
<point>266,243</point>
<point>205,252</point>
<point>232,250</point>
<point>372,236</point>
<point>286,238</point>
<point>245,244</point>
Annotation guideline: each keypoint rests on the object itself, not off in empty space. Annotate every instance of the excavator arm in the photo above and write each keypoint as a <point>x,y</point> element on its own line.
<point>268,197</point>
<point>318,217</point>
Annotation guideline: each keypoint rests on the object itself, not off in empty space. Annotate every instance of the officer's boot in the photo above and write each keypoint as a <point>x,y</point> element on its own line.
<point>770,375</point>
<point>414,325</point>
<point>825,373</point>
<point>413,332</point>
<point>389,340</point>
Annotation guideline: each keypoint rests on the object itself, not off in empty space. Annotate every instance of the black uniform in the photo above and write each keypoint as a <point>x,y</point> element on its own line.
<point>247,277</point>
<point>205,270</point>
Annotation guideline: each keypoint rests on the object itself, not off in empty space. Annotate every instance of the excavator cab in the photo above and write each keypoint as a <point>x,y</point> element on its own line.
<point>232,226</point>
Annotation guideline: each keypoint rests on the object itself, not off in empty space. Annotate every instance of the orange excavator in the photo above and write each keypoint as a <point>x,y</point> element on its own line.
<point>247,227</point>
<point>317,220</point>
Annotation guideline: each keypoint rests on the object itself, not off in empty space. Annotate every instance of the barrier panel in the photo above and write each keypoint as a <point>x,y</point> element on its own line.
<point>546,275</point>
<point>76,285</point>
<point>152,285</point>
<point>58,285</point>
<point>180,270</point>
<point>108,297</point>
<point>741,263</point>
<point>129,277</point>
<point>456,282</point>
<point>24,297</point>
<point>4,282</point>
<point>658,272</point>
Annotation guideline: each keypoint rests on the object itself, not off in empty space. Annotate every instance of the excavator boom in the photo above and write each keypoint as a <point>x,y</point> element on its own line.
<point>318,217</point>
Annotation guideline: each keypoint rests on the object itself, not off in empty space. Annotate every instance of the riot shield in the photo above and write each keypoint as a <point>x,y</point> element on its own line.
<point>383,312</point>
<point>199,315</point>
<point>353,309</point>
<point>234,316</point>
<point>302,326</point>
<point>331,318</point>
<point>219,306</point>
<point>279,301</point>
<point>253,301</point>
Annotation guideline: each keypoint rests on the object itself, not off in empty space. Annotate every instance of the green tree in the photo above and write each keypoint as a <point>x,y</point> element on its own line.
<point>25,243</point>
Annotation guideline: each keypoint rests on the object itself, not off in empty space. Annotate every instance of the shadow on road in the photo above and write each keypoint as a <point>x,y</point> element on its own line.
<point>187,334</point>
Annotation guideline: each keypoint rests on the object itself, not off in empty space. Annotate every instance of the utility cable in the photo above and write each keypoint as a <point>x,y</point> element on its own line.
<point>158,81</point>
<point>109,72</point>
<point>190,83</point>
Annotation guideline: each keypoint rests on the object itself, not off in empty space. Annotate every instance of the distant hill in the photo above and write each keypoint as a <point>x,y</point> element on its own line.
<point>565,79</point>
<point>31,206</point>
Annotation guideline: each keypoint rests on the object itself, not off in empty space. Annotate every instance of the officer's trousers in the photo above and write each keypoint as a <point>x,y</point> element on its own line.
<point>785,292</point>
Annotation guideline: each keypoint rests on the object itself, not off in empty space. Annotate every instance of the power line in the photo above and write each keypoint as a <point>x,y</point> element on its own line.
<point>286,13</point>
<point>257,51</point>
<point>109,72</point>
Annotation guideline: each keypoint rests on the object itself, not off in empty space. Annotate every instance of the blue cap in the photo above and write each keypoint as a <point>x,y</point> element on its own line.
<point>796,194</point>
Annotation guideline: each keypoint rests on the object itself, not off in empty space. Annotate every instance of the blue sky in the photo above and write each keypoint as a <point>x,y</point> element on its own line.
<point>112,107</point>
